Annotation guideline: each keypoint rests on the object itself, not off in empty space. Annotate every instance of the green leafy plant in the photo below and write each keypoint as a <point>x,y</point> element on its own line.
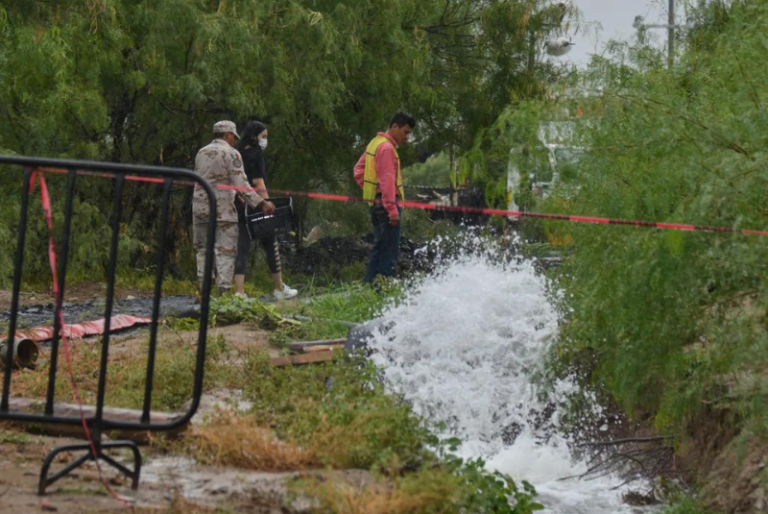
<point>230,309</point>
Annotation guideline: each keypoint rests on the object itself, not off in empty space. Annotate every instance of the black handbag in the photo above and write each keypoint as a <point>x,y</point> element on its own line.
<point>262,225</point>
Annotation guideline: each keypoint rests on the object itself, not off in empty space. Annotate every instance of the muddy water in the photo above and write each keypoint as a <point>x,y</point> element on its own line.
<point>194,482</point>
<point>42,315</point>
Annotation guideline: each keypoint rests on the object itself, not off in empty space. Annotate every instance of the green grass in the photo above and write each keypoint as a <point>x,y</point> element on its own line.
<point>351,303</point>
<point>145,281</point>
<point>687,506</point>
<point>15,437</point>
<point>175,361</point>
<point>302,403</point>
<point>327,307</point>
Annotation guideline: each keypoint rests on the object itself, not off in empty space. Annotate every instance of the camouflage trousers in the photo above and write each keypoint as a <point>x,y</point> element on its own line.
<point>224,254</point>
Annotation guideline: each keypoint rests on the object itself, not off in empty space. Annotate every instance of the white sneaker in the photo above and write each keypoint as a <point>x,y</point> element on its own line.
<point>241,295</point>
<point>286,294</point>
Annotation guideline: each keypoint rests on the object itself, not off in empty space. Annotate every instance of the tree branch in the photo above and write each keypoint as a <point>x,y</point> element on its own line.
<point>666,109</point>
<point>616,442</point>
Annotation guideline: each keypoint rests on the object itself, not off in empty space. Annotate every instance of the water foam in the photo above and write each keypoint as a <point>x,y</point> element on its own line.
<point>463,349</point>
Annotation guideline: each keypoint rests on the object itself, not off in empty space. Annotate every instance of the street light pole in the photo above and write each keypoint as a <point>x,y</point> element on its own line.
<point>670,26</point>
<point>671,34</point>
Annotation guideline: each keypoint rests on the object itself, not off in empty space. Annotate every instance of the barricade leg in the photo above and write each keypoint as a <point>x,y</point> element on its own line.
<point>134,474</point>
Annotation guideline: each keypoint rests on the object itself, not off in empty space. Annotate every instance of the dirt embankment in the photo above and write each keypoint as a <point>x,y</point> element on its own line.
<point>738,479</point>
<point>731,469</point>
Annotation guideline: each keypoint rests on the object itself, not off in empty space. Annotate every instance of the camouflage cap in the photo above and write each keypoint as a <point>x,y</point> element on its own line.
<point>222,127</point>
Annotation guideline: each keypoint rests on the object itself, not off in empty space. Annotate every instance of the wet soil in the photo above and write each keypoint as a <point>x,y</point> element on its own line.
<point>732,469</point>
<point>165,481</point>
<point>79,292</point>
<point>41,314</point>
<point>737,482</point>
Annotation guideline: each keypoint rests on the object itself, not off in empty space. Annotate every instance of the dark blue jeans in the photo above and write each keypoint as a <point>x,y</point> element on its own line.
<point>386,245</point>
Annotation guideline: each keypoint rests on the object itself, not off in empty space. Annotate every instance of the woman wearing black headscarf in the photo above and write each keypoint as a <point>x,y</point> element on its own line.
<point>253,142</point>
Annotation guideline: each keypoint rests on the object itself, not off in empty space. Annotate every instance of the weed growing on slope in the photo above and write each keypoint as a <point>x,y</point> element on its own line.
<point>228,439</point>
<point>340,411</point>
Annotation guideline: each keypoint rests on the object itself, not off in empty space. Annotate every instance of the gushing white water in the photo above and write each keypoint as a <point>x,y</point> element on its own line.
<point>463,350</point>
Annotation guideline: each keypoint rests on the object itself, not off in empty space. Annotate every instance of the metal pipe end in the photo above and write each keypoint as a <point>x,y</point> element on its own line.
<point>25,353</point>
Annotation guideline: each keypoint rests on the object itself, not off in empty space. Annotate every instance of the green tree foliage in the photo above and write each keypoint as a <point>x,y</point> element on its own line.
<point>142,81</point>
<point>435,171</point>
<point>674,322</point>
<point>511,141</point>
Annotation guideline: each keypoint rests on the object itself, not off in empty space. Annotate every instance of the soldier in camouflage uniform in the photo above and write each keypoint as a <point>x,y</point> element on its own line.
<point>219,163</point>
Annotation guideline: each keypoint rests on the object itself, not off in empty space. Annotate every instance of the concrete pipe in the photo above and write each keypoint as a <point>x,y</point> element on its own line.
<point>25,353</point>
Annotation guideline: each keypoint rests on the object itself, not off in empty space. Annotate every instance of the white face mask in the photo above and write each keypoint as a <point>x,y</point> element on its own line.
<point>263,144</point>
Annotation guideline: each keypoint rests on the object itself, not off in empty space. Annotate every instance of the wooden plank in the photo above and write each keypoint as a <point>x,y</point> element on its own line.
<point>300,360</point>
<point>303,346</point>
<point>314,349</point>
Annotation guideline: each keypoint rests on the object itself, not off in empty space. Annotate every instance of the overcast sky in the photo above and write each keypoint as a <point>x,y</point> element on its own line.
<point>616,18</point>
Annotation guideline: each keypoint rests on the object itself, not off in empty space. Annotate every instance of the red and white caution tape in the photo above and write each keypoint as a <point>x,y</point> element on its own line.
<point>446,208</point>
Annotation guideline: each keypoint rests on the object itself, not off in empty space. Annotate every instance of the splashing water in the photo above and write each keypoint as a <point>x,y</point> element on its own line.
<point>463,350</point>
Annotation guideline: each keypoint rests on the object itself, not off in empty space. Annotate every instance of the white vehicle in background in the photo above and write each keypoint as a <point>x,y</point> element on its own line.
<point>562,155</point>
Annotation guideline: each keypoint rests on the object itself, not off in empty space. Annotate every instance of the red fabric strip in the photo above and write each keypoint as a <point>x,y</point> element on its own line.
<point>84,329</point>
<point>46,201</point>
<point>434,207</point>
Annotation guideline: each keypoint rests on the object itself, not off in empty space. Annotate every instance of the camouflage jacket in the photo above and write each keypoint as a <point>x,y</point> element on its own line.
<point>219,163</point>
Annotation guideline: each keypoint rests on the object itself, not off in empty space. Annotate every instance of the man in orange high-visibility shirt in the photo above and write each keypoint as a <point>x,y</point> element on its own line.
<point>378,174</point>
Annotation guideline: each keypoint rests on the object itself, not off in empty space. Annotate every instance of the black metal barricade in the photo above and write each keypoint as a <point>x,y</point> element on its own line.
<point>97,423</point>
